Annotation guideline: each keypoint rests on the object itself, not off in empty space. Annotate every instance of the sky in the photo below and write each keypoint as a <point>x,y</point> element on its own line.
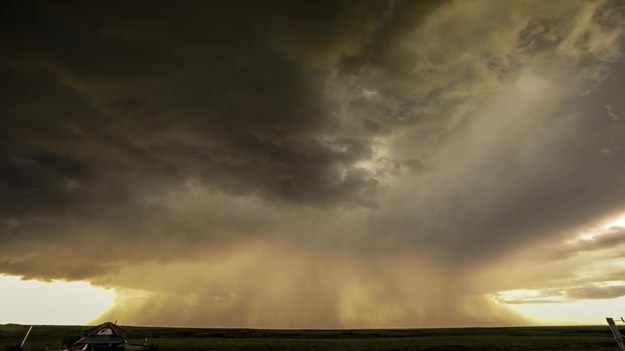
<point>326,164</point>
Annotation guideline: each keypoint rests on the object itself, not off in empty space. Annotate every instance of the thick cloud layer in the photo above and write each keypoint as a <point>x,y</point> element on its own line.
<point>326,164</point>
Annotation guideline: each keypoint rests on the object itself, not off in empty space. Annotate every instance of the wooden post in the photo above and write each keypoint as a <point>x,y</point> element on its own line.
<point>23,341</point>
<point>617,334</point>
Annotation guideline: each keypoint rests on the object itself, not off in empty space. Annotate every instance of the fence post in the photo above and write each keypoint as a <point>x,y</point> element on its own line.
<point>617,334</point>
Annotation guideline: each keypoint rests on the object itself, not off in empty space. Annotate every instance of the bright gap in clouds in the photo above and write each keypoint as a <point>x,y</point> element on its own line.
<point>55,302</point>
<point>618,222</point>
<point>582,312</point>
<point>546,309</point>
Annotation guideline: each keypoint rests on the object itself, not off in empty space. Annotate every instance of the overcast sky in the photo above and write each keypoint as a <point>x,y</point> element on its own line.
<point>315,164</point>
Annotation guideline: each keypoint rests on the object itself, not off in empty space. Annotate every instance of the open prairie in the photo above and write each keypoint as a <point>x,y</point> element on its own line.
<point>591,338</point>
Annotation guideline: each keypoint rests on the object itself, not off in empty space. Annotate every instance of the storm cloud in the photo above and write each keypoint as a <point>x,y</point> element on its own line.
<point>317,164</point>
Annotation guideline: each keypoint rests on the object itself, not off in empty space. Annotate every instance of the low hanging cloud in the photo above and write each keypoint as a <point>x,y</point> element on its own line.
<point>332,164</point>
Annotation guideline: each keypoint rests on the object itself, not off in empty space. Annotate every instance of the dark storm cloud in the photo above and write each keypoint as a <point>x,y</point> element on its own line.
<point>108,107</point>
<point>189,90</point>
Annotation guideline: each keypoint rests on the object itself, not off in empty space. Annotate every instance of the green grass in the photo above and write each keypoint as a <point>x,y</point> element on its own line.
<point>594,338</point>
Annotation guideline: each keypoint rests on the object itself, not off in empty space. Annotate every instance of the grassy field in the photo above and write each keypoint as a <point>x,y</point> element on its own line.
<point>186,339</point>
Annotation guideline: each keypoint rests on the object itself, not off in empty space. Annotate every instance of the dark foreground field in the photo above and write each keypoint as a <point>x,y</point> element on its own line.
<point>526,338</point>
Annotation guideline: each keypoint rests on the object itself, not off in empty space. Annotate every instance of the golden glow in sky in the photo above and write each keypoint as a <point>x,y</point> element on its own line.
<point>618,222</point>
<point>582,312</point>
<point>55,302</point>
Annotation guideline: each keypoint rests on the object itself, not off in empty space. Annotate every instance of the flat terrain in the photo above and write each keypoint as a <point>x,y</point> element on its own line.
<point>517,338</point>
